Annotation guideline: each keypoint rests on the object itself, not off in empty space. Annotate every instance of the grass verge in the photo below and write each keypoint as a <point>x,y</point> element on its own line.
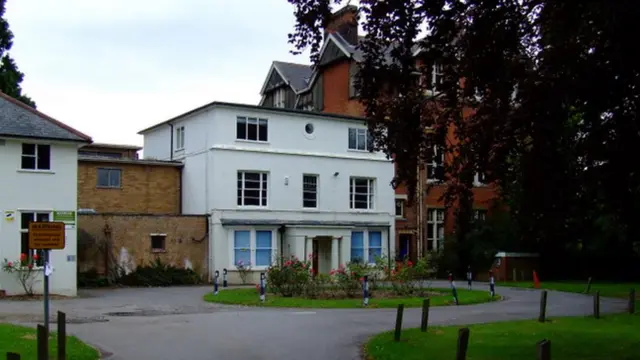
<point>250,297</point>
<point>610,337</point>
<point>607,289</point>
<point>22,340</point>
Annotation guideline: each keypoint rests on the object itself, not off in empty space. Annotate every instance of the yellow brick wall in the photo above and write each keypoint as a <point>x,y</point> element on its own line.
<point>186,239</point>
<point>144,188</point>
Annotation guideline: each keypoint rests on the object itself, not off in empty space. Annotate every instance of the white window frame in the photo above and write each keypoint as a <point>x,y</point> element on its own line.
<point>180,138</point>
<point>365,244</point>
<point>316,179</point>
<point>164,242</point>
<point>371,193</point>
<point>26,231</point>
<point>433,220</point>
<point>402,203</point>
<point>436,74</point>
<point>35,157</point>
<point>478,180</point>
<point>280,97</point>
<point>480,214</point>
<point>359,132</point>
<point>264,186</point>
<point>108,186</point>
<point>438,152</point>
<point>252,246</point>
<point>250,120</point>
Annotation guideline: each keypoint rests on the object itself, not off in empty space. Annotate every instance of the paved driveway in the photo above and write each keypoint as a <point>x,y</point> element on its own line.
<point>174,323</point>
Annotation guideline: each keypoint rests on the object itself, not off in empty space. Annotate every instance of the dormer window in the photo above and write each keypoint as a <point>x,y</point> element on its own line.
<point>279,97</point>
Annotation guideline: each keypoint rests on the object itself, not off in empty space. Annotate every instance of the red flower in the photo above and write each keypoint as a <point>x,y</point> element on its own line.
<point>23,257</point>
<point>288,263</point>
<point>409,263</point>
<point>9,264</point>
<point>362,279</point>
<point>30,266</point>
<point>35,257</point>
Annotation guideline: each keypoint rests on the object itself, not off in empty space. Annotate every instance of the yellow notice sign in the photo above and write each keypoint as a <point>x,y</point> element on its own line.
<point>46,235</point>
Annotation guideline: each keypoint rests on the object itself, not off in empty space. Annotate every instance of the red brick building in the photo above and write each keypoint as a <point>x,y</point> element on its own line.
<point>329,88</point>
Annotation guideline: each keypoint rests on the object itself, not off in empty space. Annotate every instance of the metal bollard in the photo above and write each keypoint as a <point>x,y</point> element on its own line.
<point>224,278</point>
<point>262,287</point>
<point>215,282</point>
<point>365,290</point>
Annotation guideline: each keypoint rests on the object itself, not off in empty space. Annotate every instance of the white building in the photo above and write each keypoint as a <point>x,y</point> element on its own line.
<point>38,167</point>
<point>280,182</point>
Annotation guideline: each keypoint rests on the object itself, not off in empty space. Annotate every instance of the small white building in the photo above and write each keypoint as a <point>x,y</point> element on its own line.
<point>39,171</point>
<point>280,183</point>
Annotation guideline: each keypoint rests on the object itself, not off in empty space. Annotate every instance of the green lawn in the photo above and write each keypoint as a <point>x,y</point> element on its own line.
<point>611,337</point>
<point>22,340</point>
<point>619,290</point>
<point>250,297</point>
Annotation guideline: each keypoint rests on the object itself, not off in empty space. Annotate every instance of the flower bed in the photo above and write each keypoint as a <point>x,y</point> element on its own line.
<point>295,278</point>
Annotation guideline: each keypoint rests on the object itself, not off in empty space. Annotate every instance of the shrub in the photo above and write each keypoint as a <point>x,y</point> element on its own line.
<point>160,274</point>
<point>319,286</point>
<point>290,278</point>
<point>406,276</point>
<point>24,270</point>
<point>91,279</point>
<point>243,270</point>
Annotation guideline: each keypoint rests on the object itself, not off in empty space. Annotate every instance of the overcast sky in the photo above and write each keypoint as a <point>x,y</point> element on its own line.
<point>110,68</point>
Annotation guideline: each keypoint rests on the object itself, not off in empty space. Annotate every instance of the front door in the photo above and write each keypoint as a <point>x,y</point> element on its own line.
<point>314,261</point>
<point>404,246</point>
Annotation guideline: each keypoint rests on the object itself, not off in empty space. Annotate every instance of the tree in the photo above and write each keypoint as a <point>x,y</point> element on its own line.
<point>10,76</point>
<point>549,91</point>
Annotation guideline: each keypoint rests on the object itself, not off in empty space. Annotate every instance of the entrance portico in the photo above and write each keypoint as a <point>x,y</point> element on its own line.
<point>324,252</point>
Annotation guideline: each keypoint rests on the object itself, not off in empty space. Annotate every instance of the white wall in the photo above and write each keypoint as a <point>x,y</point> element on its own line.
<point>156,143</point>
<point>44,192</point>
<point>212,157</point>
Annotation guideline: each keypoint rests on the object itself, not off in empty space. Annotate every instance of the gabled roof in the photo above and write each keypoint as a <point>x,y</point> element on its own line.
<point>297,76</point>
<point>301,77</point>
<point>20,120</point>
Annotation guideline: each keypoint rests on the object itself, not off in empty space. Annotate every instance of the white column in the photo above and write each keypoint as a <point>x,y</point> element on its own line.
<point>309,247</point>
<point>335,253</point>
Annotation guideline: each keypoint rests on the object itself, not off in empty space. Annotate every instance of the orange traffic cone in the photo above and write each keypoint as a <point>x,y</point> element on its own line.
<point>536,281</point>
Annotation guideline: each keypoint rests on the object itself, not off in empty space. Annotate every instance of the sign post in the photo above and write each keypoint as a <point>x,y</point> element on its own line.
<point>46,236</point>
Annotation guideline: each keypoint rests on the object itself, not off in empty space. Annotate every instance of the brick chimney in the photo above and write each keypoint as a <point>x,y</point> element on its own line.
<point>344,22</point>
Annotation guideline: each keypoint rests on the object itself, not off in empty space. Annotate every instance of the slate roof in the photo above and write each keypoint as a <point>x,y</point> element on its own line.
<point>297,75</point>
<point>20,120</point>
<point>300,75</point>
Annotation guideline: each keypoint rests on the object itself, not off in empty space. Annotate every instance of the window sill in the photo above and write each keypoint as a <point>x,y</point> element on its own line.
<point>252,207</point>
<point>360,151</point>
<point>480,185</point>
<point>109,187</point>
<point>252,141</point>
<point>401,218</point>
<point>36,171</point>
<point>158,251</point>
<point>362,210</point>
<point>178,150</point>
